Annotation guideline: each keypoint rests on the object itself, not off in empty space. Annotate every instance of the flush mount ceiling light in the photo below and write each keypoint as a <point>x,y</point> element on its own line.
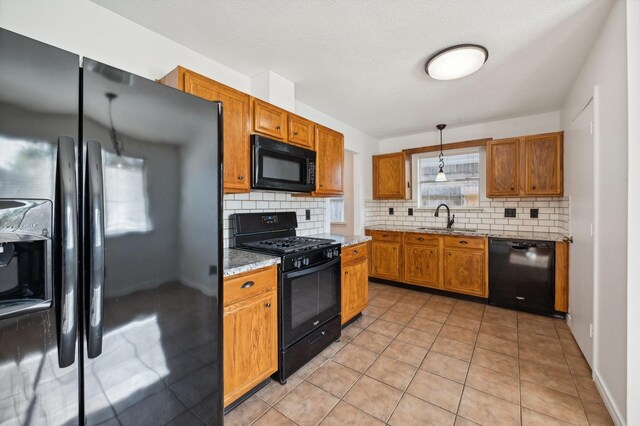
<point>456,61</point>
<point>440,177</point>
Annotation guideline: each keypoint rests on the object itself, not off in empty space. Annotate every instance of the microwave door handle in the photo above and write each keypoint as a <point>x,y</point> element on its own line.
<point>67,247</point>
<point>95,210</point>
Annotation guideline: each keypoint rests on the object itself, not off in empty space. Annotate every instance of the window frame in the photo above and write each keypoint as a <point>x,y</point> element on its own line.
<point>343,211</point>
<point>415,191</point>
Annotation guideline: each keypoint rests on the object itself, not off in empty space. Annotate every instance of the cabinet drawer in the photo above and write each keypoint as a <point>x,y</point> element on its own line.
<point>464,242</point>
<point>418,238</point>
<point>386,235</point>
<point>354,253</point>
<point>248,284</point>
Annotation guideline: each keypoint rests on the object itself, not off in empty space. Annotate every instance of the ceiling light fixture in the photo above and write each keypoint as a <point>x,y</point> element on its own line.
<point>456,61</point>
<point>440,177</point>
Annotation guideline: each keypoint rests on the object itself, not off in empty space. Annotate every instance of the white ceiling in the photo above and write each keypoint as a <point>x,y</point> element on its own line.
<point>362,61</point>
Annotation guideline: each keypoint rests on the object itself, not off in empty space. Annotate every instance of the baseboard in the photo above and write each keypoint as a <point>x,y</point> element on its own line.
<point>614,412</point>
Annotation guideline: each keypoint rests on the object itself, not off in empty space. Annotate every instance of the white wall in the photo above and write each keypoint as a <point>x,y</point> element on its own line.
<point>606,68</point>
<point>527,125</point>
<point>633,231</point>
<point>87,29</point>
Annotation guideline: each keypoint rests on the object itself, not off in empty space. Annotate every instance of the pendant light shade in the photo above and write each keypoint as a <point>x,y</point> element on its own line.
<point>441,177</point>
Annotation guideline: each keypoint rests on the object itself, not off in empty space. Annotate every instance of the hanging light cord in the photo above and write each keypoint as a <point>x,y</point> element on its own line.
<point>441,156</point>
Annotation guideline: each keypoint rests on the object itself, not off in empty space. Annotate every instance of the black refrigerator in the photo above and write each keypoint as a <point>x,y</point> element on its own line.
<point>110,245</point>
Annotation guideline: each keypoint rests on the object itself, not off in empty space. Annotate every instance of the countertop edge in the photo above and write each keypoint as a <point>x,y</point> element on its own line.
<point>552,236</point>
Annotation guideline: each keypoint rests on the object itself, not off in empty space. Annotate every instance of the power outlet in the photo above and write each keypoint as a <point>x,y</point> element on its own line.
<point>390,211</point>
<point>410,211</point>
<point>533,213</point>
<point>509,212</point>
<point>307,214</point>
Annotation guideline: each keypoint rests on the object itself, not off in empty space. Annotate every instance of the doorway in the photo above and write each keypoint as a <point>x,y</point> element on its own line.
<point>580,184</point>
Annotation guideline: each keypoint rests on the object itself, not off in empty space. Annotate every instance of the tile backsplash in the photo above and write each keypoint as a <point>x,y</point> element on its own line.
<point>268,201</point>
<point>553,215</point>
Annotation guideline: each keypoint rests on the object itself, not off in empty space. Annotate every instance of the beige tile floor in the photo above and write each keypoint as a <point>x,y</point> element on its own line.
<point>420,359</point>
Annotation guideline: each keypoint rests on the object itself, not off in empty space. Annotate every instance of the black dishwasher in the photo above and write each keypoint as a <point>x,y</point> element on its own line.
<point>522,274</point>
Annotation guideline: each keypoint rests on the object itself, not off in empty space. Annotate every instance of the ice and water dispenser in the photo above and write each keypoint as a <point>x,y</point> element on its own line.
<point>25,256</point>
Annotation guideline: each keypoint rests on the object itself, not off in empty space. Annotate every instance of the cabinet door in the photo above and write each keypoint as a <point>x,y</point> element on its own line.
<point>464,271</point>
<point>329,161</point>
<point>543,164</point>
<point>385,260</point>
<point>237,160</point>
<point>355,289</point>
<point>301,132</point>
<point>269,120</point>
<point>421,265</point>
<point>502,168</point>
<point>250,344</point>
<point>390,177</point>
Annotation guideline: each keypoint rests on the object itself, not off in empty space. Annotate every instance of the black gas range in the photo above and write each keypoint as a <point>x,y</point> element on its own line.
<point>308,287</point>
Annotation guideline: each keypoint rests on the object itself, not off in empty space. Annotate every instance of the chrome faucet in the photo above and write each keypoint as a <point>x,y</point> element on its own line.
<point>450,219</point>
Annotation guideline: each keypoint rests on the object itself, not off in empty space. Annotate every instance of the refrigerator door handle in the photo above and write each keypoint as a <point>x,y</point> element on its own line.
<point>95,217</point>
<point>67,244</point>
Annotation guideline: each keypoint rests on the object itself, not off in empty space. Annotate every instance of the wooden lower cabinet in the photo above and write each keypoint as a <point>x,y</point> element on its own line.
<point>386,259</point>
<point>465,271</point>
<point>422,265</point>
<point>355,281</point>
<point>250,332</point>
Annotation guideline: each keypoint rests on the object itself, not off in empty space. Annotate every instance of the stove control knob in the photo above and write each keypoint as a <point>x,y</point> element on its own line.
<point>328,254</point>
<point>305,261</point>
<point>336,252</point>
<point>297,263</point>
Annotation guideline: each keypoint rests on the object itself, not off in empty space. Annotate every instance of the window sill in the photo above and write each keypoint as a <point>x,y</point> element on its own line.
<point>338,223</point>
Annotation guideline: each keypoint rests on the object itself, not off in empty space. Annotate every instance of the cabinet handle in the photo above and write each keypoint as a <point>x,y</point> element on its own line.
<point>464,242</point>
<point>355,252</point>
<point>385,235</point>
<point>267,305</point>
<point>240,177</point>
<point>533,187</point>
<point>295,133</point>
<point>277,127</point>
<point>346,272</point>
<point>420,239</point>
<point>248,284</point>
<point>512,188</point>
<point>321,185</point>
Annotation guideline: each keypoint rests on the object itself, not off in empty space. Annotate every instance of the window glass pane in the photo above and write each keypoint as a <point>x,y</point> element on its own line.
<point>462,188</point>
<point>125,195</point>
<point>337,210</point>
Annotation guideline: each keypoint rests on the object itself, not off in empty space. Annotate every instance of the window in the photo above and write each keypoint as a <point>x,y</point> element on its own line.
<point>462,188</point>
<point>125,195</point>
<point>336,210</point>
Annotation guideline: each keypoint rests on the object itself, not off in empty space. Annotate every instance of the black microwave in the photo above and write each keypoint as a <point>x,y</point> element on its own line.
<point>279,166</point>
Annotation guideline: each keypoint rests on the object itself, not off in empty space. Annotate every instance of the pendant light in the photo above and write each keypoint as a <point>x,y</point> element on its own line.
<point>440,177</point>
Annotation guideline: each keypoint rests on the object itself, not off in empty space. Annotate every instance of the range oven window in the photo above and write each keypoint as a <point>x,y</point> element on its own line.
<point>309,298</point>
<point>278,167</point>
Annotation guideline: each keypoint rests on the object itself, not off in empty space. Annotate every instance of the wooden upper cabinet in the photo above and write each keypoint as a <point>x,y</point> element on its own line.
<point>301,132</point>
<point>391,177</point>
<point>269,120</point>
<point>502,171</point>
<point>543,164</point>
<point>329,162</point>
<point>527,166</point>
<point>236,108</point>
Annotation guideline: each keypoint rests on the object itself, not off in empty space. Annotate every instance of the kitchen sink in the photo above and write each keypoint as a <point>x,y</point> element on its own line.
<point>453,231</point>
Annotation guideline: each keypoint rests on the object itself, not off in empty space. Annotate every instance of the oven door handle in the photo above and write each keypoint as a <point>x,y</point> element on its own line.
<point>299,273</point>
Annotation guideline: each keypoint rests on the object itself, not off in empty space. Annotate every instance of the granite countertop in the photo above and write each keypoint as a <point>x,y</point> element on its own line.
<point>344,240</point>
<point>541,236</point>
<point>239,261</point>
